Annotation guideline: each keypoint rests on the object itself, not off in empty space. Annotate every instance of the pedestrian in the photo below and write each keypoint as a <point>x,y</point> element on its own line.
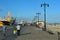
<point>15,32</point>
<point>18,29</point>
<point>4,29</point>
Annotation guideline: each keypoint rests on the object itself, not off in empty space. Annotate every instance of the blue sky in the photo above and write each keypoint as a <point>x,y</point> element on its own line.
<point>27,9</point>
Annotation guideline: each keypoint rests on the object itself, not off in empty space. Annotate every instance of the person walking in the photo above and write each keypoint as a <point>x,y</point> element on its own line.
<point>18,29</point>
<point>4,29</point>
<point>15,32</point>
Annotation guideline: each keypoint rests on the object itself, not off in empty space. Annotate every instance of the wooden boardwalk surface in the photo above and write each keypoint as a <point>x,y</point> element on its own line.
<point>30,33</point>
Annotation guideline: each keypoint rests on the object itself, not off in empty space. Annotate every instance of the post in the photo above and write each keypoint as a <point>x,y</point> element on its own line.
<point>45,5</point>
<point>38,18</point>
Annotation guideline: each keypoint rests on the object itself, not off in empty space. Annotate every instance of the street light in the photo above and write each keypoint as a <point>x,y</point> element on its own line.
<point>45,5</point>
<point>37,14</point>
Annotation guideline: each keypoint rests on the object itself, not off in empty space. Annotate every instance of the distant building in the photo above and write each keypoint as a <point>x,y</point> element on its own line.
<point>9,17</point>
<point>5,20</point>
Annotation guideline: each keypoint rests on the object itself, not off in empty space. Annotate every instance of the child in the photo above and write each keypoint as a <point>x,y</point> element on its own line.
<point>15,32</point>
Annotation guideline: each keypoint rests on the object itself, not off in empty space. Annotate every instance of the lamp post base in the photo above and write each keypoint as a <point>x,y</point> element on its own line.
<point>44,29</point>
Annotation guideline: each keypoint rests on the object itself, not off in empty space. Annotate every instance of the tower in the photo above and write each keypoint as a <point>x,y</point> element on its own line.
<point>9,17</point>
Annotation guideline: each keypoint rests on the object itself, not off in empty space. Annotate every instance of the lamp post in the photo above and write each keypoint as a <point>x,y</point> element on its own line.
<point>45,5</point>
<point>37,14</point>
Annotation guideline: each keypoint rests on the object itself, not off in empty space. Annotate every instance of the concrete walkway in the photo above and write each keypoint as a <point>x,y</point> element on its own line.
<point>29,33</point>
<point>32,33</point>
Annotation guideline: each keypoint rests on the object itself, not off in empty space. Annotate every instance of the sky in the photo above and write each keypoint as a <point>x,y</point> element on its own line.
<point>27,9</point>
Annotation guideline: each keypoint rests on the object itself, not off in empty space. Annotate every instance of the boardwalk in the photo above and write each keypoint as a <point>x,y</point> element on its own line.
<point>30,33</point>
